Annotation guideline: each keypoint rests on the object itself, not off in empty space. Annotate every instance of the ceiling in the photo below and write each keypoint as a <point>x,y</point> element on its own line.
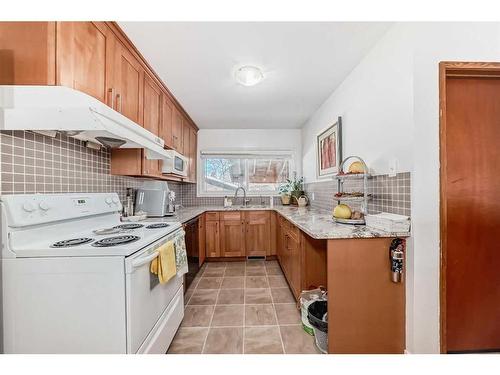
<point>302,64</point>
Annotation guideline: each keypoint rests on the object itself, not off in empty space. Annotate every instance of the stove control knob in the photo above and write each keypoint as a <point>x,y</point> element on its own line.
<point>109,200</point>
<point>115,200</point>
<point>28,207</point>
<point>44,205</point>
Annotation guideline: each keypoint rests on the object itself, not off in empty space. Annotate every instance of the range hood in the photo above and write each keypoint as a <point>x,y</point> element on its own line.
<point>81,116</point>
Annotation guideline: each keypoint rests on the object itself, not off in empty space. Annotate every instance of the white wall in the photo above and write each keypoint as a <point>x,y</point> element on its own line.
<point>252,139</point>
<point>390,109</point>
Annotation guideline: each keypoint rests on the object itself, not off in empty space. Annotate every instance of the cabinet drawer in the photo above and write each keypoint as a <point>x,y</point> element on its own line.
<point>294,231</point>
<point>212,216</point>
<point>233,215</point>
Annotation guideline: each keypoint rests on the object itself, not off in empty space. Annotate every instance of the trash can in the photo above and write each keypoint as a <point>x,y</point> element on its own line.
<point>306,298</point>
<point>317,314</point>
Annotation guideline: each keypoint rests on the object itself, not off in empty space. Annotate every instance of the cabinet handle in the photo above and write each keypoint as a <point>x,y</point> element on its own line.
<point>111,93</point>
<point>119,102</point>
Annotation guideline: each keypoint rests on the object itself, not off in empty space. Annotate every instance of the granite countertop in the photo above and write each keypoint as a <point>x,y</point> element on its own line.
<point>316,223</point>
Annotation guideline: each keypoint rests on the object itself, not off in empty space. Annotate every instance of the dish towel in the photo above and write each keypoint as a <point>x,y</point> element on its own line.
<point>164,264</point>
<point>181,254</point>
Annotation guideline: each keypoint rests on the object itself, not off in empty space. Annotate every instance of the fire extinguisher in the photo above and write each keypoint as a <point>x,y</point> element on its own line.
<point>396,256</point>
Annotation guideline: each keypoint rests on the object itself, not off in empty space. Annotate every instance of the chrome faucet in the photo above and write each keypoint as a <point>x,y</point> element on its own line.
<point>245,200</point>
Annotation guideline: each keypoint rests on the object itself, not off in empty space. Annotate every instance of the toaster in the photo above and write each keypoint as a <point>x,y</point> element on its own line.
<point>154,202</point>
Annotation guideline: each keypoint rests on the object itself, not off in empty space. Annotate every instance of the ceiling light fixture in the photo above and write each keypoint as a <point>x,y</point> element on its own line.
<point>248,75</point>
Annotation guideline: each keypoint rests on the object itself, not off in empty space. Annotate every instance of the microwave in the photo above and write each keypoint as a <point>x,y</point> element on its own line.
<point>176,164</point>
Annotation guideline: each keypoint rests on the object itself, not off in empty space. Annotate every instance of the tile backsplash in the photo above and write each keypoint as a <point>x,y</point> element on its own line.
<point>189,198</point>
<point>34,163</point>
<point>389,194</point>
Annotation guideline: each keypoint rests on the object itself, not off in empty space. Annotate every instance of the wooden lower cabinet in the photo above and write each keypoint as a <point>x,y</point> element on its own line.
<point>257,233</point>
<point>302,258</point>
<point>212,235</point>
<point>232,234</point>
<point>366,309</point>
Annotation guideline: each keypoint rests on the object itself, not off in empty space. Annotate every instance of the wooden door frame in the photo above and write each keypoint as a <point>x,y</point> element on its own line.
<point>451,69</point>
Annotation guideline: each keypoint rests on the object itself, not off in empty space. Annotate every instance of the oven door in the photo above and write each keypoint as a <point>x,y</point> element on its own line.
<point>146,298</point>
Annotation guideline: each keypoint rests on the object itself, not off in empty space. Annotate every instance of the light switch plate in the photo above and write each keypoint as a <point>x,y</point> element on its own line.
<point>393,167</point>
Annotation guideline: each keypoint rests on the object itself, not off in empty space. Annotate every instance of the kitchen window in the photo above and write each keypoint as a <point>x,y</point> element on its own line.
<point>260,173</point>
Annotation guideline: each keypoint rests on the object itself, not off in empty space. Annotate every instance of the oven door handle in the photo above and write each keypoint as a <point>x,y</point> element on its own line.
<point>136,263</point>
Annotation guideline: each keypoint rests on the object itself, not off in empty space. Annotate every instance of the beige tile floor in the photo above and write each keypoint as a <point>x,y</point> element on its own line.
<point>241,307</point>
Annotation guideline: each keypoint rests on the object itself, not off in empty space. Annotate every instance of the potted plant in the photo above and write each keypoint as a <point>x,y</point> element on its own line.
<point>296,188</point>
<point>284,191</point>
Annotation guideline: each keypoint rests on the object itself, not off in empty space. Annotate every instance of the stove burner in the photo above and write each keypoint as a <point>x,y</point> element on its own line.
<point>157,225</point>
<point>129,226</point>
<point>72,242</point>
<point>115,241</point>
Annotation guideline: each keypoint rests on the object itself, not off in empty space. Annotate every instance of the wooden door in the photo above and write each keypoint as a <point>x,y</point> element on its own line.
<point>193,154</point>
<point>81,55</point>
<point>201,240</point>
<point>151,119</point>
<point>232,234</point>
<point>177,124</point>
<point>258,233</point>
<point>470,184</point>
<point>27,53</point>
<point>167,109</point>
<point>124,82</point>
<point>186,132</point>
<point>212,243</point>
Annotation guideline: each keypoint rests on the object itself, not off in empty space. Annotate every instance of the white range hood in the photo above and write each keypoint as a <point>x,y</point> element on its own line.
<point>58,108</point>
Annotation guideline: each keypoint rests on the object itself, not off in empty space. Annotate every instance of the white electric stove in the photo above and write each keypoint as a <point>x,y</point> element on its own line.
<point>77,280</point>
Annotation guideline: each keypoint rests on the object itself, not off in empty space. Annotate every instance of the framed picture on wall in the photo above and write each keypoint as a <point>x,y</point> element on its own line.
<point>329,150</point>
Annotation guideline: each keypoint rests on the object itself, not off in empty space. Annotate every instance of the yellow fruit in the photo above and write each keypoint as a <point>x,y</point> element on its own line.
<point>342,211</point>
<point>356,167</point>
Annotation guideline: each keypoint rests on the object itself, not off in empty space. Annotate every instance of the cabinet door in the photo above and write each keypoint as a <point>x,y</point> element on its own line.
<point>167,111</point>
<point>232,234</point>
<point>193,155</point>
<point>27,53</point>
<point>81,54</point>
<point>177,124</point>
<point>212,239</point>
<point>279,240</point>
<point>294,265</point>
<point>186,133</point>
<point>258,233</point>
<point>124,82</point>
<point>151,120</point>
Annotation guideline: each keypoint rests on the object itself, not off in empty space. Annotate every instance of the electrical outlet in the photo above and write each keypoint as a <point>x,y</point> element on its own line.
<point>393,167</point>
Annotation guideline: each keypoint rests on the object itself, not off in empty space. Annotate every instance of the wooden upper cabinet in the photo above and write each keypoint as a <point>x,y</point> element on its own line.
<point>151,120</point>
<point>27,53</point>
<point>177,125</point>
<point>193,155</point>
<point>186,133</point>
<point>258,233</point>
<point>167,112</point>
<point>152,105</point>
<point>124,82</point>
<point>232,234</point>
<point>81,57</point>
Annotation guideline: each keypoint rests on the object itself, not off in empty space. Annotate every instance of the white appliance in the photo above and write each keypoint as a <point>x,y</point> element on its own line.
<point>68,289</point>
<point>50,109</point>
<point>176,164</point>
